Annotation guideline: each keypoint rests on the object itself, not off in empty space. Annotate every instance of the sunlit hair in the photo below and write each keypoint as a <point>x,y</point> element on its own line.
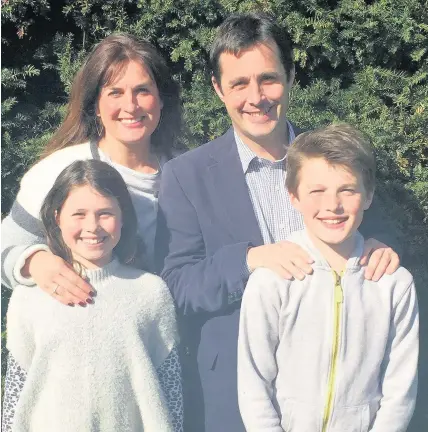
<point>242,31</point>
<point>106,181</point>
<point>105,64</point>
<point>338,144</point>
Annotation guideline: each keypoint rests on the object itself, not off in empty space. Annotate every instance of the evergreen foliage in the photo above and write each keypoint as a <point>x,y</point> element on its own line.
<point>363,62</point>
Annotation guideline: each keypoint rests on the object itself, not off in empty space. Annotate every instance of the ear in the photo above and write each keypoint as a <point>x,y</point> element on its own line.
<point>291,77</point>
<point>294,200</point>
<point>368,200</point>
<point>217,88</point>
<point>56,215</point>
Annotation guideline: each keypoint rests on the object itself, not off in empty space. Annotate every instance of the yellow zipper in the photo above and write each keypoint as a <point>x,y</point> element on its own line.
<point>338,300</point>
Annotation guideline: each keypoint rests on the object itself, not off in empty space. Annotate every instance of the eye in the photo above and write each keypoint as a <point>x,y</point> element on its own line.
<point>114,93</point>
<point>269,80</point>
<point>349,190</point>
<point>106,214</point>
<point>143,90</point>
<point>316,191</point>
<point>239,85</point>
<point>78,214</point>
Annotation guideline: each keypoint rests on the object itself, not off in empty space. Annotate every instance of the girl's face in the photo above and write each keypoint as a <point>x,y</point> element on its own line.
<point>90,224</point>
<point>130,107</point>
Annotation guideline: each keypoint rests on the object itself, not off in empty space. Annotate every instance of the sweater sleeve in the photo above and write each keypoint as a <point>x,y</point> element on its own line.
<point>199,282</point>
<point>22,227</point>
<point>399,384</point>
<point>257,344</point>
<point>169,374</point>
<point>13,385</point>
<point>19,232</point>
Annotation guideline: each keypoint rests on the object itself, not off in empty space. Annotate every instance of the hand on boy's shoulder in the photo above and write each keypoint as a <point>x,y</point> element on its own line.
<point>285,258</point>
<point>379,258</point>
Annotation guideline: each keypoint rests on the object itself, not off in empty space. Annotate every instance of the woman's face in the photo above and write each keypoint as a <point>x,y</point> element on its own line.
<point>130,107</point>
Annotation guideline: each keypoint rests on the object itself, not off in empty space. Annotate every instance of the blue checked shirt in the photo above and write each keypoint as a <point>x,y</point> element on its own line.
<point>276,216</point>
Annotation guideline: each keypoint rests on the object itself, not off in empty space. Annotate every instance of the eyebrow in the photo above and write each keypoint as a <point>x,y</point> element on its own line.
<point>98,210</point>
<point>261,77</point>
<point>238,81</point>
<point>142,84</point>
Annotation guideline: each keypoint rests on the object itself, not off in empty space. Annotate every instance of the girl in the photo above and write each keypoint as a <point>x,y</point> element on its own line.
<point>124,109</point>
<point>109,367</point>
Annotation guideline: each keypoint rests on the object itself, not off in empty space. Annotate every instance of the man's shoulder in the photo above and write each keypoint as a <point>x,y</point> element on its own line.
<point>203,153</point>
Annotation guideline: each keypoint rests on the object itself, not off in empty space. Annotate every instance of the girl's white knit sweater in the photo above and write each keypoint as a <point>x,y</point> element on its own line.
<point>93,368</point>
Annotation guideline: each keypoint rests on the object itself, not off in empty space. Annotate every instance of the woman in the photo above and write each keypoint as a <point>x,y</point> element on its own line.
<point>124,109</point>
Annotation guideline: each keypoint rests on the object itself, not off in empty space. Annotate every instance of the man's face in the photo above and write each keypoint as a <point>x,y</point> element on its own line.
<point>331,199</point>
<point>255,90</point>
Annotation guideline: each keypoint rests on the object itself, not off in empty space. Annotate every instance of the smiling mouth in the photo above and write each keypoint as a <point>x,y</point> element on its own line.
<point>132,121</point>
<point>260,113</point>
<point>334,222</point>
<point>93,241</point>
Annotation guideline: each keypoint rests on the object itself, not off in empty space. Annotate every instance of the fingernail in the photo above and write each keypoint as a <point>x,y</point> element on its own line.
<point>88,300</point>
<point>82,304</point>
<point>92,293</point>
<point>71,304</point>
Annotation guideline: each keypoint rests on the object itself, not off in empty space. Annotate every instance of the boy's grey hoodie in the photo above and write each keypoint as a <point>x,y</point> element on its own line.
<point>328,353</point>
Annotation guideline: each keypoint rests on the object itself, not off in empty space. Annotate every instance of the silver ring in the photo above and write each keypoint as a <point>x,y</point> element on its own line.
<point>54,291</point>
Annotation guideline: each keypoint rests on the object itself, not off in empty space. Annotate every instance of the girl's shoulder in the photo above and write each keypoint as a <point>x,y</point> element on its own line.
<point>39,179</point>
<point>146,288</point>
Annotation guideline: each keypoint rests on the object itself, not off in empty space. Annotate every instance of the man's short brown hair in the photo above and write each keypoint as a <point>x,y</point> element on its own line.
<point>338,144</point>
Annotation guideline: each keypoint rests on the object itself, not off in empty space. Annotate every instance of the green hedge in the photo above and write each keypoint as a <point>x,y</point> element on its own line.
<point>364,62</point>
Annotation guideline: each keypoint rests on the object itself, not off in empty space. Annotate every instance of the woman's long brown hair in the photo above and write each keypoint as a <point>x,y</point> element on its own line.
<point>104,64</point>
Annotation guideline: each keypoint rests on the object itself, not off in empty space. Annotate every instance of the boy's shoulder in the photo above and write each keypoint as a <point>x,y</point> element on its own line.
<point>400,281</point>
<point>264,284</point>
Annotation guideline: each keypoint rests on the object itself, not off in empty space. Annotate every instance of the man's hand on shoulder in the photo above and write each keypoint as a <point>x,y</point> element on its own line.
<point>285,258</point>
<point>379,258</point>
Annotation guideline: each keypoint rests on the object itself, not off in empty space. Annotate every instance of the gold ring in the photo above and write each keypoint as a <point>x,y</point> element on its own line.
<point>54,291</point>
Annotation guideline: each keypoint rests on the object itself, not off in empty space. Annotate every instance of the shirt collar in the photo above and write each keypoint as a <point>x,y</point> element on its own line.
<point>246,155</point>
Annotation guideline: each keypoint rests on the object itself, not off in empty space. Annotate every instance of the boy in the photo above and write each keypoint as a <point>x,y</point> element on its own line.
<point>334,352</point>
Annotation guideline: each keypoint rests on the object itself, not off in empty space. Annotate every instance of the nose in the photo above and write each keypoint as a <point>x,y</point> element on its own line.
<point>255,94</point>
<point>332,203</point>
<point>129,101</point>
<point>90,223</point>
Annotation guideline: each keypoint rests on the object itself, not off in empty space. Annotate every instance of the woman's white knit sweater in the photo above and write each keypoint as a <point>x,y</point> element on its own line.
<point>22,227</point>
<point>94,368</point>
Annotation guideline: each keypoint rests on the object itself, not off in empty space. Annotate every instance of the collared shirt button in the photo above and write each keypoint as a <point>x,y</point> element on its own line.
<point>282,226</point>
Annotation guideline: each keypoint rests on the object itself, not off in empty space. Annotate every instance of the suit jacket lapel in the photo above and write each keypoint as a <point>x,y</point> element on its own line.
<point>230,189</point>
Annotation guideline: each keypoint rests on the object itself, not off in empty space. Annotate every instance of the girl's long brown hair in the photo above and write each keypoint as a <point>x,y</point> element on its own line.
<point>103,65</point>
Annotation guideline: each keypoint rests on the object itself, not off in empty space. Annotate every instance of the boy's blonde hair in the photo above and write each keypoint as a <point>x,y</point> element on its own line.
<point>338,144</point>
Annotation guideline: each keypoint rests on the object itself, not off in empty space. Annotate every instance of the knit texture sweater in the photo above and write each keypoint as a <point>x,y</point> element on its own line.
<point>329,353</point>
<point>22,227</point>
<point>94,368</point>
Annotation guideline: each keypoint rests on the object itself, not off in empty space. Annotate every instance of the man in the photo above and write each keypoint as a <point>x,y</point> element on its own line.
<point>224,211</point>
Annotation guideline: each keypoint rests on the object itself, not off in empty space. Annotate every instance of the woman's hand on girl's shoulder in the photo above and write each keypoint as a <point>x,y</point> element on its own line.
<point>57,278</point>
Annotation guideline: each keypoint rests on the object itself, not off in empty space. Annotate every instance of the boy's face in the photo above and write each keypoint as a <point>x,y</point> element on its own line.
<point>331,199</point>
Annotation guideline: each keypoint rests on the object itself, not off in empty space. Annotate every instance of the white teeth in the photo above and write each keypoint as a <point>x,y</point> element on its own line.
<point>333,221</point>
<point>131,121</point>
<point>92,241</point>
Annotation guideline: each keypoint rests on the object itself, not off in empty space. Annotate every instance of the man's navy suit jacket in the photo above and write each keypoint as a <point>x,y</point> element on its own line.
<point>206,223</point>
